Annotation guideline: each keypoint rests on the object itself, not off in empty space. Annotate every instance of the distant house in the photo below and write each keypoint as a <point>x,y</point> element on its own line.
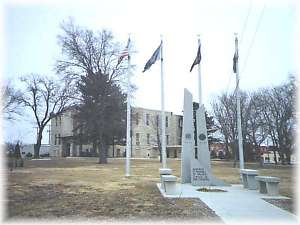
<point>218,149</point>
<point>268,157</point>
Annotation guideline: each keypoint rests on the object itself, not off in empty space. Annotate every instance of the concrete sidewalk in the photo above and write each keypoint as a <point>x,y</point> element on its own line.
<point>237,204</point>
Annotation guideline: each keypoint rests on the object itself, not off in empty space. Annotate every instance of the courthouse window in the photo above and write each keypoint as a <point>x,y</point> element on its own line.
<point>137,139</point>
<point>148,139</point>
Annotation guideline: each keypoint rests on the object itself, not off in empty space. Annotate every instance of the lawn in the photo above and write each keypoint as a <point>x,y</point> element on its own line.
<point>81,188</point>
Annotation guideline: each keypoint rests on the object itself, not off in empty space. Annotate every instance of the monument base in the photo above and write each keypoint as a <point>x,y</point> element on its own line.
<point>196,171</point>
<point>201,176</point>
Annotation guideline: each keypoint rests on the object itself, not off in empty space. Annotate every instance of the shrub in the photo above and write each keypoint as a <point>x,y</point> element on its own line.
<point>28,155</point>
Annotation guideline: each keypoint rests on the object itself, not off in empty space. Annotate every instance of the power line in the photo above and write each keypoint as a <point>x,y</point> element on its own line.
<point>242,34</point>
<point>228,84</point>
<point>246,22</point>
<point>253,39</point>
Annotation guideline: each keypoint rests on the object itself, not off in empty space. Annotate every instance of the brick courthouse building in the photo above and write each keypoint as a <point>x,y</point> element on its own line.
<point>144,131</point>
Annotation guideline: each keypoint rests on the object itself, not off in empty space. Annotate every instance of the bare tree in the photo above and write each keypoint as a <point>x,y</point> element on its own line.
<point>90,58</point>
<point>262,104</point>
<point>46,99</point>
<point>11,102</point>
<point>222,125</point>
<point>278,106</point>
<point>224,110</point>
<point>267,113</point>
<point>258,131</point>
<point>86,52</point>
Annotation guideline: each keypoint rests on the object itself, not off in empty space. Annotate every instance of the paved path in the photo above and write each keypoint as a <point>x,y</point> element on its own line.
<point>237,204</point>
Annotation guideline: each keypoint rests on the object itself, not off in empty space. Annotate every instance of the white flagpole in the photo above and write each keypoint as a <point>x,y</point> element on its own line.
<point>238,106</point>
<point>128,137</point>
<point>163,117</point>
<point>199,78</point>
<point>199,91</point>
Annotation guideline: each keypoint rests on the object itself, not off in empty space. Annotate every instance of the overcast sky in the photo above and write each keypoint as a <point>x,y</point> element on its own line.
<point>31,29</point>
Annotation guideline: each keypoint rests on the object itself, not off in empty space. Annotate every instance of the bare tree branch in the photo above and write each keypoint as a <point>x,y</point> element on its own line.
<point>46,98</point>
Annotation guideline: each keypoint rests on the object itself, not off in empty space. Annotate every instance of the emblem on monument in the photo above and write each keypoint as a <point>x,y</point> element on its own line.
<point>202,137</point>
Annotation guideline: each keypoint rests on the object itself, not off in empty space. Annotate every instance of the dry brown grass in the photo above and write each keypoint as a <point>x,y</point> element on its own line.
<point>71,188</point>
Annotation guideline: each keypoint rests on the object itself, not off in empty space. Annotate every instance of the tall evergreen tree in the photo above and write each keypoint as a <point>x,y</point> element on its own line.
<point>101,114</point>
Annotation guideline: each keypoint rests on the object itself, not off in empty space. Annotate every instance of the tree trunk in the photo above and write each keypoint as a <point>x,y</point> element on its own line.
<point>281,148</point>
<point>80,149</point>
<point>158,143</point>
<point>37,146</point>
<point>274,148</point>
<point>94,148</point>
<point>275,156</point>
<point>288,157</point>
<point>160,155</point>
<point>282,161</point>
<point>227,154</point>
<point>113,147</point>
<point>102,153</point>
<point>261,159</point>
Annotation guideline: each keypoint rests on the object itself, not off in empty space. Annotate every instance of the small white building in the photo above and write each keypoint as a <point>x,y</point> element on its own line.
<point>269,157</point>
<point>29,148</point>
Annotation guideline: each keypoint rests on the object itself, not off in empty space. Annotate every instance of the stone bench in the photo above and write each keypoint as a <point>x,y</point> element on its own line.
<point>169,184</point>
<point>164,171</point>
<point>248,177</point>
<point>268,185</point>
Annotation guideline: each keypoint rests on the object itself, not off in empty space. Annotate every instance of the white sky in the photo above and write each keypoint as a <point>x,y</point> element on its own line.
<point>31,29</point>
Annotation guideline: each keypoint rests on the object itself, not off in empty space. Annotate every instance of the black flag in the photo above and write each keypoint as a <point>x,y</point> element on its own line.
<point>152,60</point>
<point>197,59</point>
<point>235,60</point>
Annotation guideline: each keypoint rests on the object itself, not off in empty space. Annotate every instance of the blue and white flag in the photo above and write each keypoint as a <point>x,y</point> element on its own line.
<point>153,59</point>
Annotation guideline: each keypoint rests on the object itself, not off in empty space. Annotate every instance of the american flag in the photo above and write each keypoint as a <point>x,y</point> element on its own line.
<point>124,53</point>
